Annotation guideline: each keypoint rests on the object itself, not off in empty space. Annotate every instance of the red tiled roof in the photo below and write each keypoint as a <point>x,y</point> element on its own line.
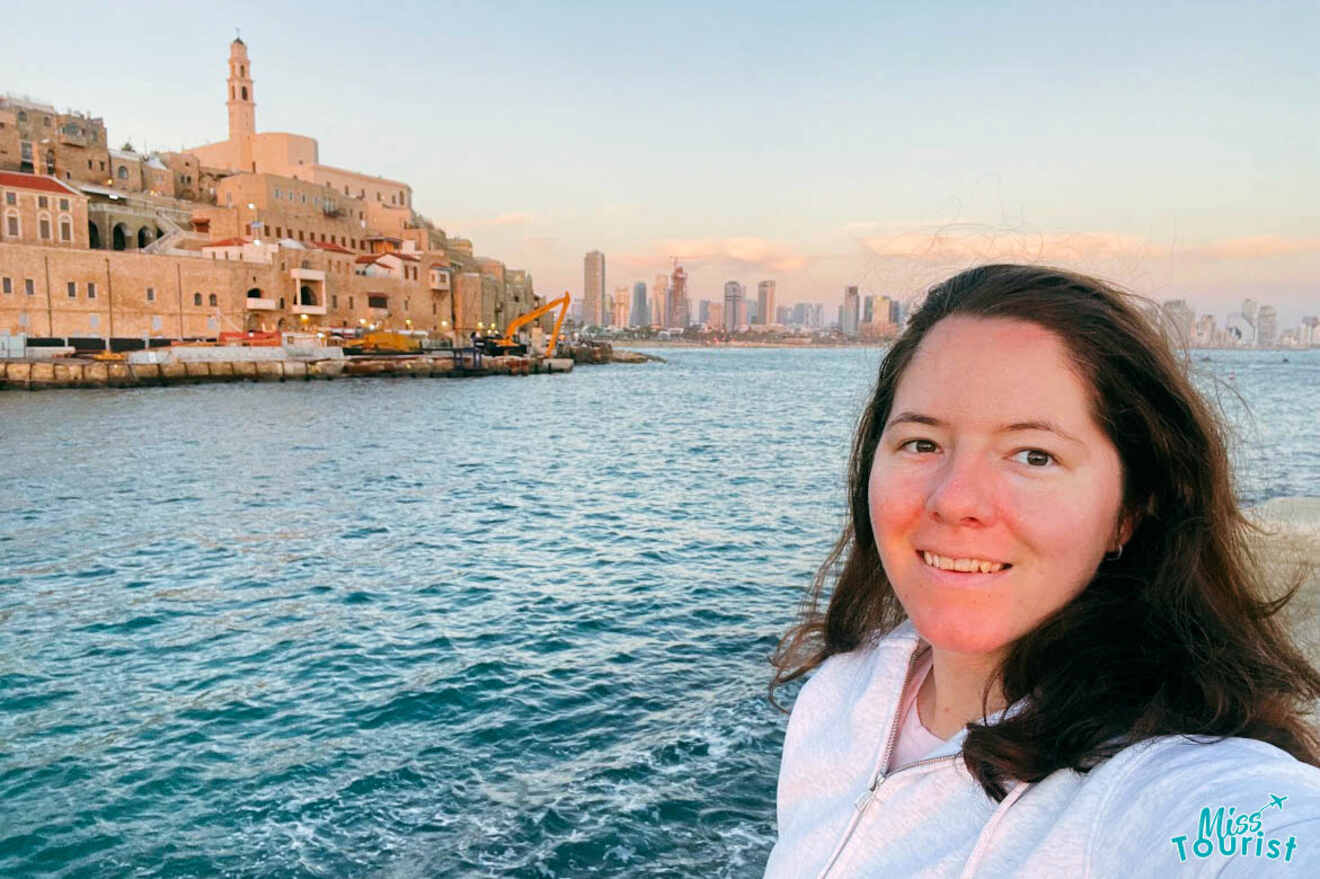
<point>331,246</point>
<point>19,180</point>
<point>370,257</point>
<point>401,255</point>
<point>228,242</point>
<point>439,265</point>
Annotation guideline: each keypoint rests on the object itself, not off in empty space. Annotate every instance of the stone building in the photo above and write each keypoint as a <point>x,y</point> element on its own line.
<point>251,233</point>
<point>41,210</point>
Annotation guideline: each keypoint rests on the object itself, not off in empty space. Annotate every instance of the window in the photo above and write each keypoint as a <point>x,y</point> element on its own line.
<point>91,290</point>
<point>73,290</point>
<point>334,299</point>
<point>102,166</point>
<point>12,227</point>
<point>197,299</point>
<point>151,294</point>
<point>123,172</point>
<point>155,322</point>
<point>43,227</point>
<point>42,201</point>
<point>350,303</point>
<point>11,198</point>
<point>64,204</point>
<point>378,301</point>
<point>66,229</point>
<point>22,115</point>
<point>211,299</point>
<point>29,287</point>
<point>281,303</point>
<point>45,121</point>
<point>7,285</point>
<point>89,164</point>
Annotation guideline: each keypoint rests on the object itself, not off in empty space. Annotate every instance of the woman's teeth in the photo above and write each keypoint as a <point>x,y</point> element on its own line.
<point>970,565</point>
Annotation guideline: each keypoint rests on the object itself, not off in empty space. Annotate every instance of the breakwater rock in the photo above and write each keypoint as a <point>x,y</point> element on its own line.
<point>35,375</point>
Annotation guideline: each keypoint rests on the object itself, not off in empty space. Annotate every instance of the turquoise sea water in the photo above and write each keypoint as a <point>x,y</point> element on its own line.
<point>509,626</point>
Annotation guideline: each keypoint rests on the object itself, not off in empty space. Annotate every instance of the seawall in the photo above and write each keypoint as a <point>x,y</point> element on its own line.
<point>35,375</point>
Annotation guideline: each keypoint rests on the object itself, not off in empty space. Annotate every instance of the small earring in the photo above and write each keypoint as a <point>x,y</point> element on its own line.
<point>1115,555</point>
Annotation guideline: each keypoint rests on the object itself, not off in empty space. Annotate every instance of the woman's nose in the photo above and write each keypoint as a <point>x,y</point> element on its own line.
<point>960,492</point>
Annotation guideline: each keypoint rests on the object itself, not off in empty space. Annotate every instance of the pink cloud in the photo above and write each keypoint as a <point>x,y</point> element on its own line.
<point>516,218</point>
<point>738,251</point>
<point>1260,247</point>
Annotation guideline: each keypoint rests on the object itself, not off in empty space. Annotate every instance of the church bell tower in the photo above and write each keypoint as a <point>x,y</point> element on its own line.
<point>242,104</point>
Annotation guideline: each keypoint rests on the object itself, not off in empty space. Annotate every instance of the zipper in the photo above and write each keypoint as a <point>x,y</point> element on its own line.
<point>879,777</point>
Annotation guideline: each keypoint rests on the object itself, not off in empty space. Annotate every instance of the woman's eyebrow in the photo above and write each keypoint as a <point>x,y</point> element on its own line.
<point>1033,424</point>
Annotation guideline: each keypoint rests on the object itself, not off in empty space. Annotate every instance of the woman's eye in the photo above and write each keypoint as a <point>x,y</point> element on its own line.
<point>919,445</point>
<point>1034,457</point>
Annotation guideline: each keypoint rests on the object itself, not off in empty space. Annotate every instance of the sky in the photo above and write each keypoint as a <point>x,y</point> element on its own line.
<point>1171,148</point>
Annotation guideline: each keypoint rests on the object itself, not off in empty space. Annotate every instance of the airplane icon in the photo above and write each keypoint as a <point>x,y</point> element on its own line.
<point>1276,801</point>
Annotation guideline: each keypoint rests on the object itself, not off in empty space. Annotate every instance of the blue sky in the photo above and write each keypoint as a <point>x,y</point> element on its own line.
<point>1172,148</point>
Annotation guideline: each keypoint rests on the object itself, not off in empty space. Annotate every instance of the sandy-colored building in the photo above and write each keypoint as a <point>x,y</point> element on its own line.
<point>252,233</point>
<point>41,210</point>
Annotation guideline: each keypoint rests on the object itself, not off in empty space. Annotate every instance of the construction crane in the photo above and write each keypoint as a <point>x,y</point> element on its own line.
<point>510,341</point>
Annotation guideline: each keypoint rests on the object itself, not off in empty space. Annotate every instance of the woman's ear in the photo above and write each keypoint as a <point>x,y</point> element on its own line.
<point>1127,524</point>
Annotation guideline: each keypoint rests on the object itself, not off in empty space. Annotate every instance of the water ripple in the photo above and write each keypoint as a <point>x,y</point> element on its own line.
<point>516,626</point>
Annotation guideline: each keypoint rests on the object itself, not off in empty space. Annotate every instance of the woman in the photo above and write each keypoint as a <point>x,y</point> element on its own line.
<point>1047,651</point>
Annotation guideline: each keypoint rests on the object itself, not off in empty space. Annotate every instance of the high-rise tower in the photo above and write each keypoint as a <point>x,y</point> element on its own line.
<point>765,303</point>
<point>593,289</point>
<point>242,104</point>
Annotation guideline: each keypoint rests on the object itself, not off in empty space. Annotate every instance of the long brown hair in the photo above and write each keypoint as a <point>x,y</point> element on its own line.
<point>1177,636</point>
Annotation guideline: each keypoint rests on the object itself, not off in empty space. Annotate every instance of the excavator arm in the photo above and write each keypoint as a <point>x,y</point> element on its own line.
<point>522,320</point>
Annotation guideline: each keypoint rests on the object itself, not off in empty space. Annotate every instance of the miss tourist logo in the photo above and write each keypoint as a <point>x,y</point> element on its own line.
<point>1242,834</point>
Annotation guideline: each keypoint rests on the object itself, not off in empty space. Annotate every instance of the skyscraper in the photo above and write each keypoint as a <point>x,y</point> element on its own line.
<point>765,303</point>
<point>1179,315</point>
<point>640,314</point>
<point>593,289</point>
<point>850,314</point>
<point>735,312</point>
<point>678,300</point>
<point>1267,326</point>
<point>619,307</point>
<point>660,301</point>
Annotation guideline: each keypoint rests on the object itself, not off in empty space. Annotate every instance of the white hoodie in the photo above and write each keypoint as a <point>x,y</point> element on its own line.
<point>1166,807</point>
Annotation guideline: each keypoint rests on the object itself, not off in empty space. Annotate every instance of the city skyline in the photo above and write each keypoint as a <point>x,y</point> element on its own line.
<point>887,154</point>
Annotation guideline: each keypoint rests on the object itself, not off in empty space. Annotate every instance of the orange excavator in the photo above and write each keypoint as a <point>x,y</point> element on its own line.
<point>509,343</point>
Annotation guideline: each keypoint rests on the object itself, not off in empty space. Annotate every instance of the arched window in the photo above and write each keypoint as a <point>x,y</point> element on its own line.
<point>66,228</point>
<point>197,299</point>
<point>123,172</point>
<point>212,299</point>
<point>245,93</point>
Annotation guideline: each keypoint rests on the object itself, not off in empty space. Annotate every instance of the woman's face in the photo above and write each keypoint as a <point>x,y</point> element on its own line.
<point>993,493</point>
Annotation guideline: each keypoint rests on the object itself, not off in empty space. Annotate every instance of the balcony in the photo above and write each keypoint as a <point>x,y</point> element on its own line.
<point>301,274</point>
<point>72,136</point>
<point>255,304</point>
<point>308,309</point>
